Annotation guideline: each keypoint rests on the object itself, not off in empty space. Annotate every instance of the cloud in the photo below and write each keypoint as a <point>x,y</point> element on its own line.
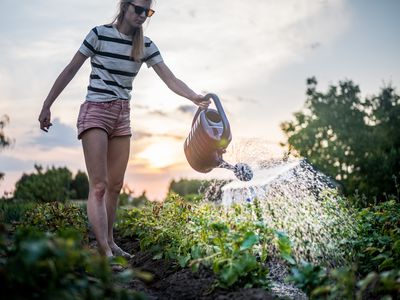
<point>9,163</point>
<point>140,135</point>
<point>238,41</point>
<point>187,109</point>
<point>158,112</point>
<point>59,135</point>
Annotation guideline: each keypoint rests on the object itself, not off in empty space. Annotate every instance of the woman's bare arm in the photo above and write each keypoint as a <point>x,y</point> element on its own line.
<point>178,86</point>
<point>61,82</point>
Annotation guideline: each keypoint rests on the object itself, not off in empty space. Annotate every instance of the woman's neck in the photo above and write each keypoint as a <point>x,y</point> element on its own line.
<point>125,29</point>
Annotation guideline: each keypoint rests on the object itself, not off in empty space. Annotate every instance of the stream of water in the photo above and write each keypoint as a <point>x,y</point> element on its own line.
<point>299,200</point>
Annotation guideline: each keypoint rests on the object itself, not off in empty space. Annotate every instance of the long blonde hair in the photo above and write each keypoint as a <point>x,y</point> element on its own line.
<point>137,39</point>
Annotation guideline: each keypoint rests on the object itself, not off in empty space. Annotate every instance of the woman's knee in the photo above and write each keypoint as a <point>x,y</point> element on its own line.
<point>98,189</point>
<point>114,187</point>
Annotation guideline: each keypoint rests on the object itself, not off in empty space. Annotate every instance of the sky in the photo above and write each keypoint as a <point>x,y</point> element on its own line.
<point>255,55</point>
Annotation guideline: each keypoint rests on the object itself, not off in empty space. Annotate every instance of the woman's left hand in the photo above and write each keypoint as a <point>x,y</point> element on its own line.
<point>201,101</point>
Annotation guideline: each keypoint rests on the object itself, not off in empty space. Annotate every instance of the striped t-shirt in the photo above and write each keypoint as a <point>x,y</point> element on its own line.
<point>113,70</point>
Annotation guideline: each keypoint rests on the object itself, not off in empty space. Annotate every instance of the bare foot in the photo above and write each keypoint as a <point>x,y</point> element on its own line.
<point>117,251</point>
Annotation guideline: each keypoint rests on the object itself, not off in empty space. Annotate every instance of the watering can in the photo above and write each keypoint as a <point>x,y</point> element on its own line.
<point>208,139</point>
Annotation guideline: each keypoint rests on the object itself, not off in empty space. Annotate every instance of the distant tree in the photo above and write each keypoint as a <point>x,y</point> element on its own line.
<point>126,197</point>
<point>52,185</point>
<point>185,187</point>
<point>353,140</point>
<point>4,141</point>
<point>80,186</point>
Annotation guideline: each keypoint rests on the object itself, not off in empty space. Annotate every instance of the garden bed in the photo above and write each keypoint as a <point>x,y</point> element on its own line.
<point>170,281</point>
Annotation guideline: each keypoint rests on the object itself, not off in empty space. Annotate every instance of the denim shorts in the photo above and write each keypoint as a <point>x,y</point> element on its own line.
<point>111,116</point>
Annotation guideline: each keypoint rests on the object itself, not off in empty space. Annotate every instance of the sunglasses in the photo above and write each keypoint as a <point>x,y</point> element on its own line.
<point>139,10</point>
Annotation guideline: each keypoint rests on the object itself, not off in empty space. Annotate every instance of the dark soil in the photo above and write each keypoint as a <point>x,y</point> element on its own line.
<point>170,281</point>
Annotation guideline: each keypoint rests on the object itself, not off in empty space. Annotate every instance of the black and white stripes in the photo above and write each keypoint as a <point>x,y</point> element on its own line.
<point>113,69</point>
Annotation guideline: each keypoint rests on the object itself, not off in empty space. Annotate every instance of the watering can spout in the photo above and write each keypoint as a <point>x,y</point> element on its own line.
<point>242,171</point>
<point>208,139</point>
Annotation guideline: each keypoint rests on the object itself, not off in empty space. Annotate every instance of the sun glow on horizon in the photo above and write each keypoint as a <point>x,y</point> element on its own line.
<point>161,154</point>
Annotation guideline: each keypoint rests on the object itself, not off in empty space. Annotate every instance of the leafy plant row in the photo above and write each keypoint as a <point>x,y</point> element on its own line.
<point>374,271</point>
<point>235,243</point>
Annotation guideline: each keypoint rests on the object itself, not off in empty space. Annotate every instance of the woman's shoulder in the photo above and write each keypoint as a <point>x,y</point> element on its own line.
<point>104,28</point>
<point>147,41</point>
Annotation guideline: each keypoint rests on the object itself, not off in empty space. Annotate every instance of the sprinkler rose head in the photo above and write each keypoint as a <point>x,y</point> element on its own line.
<point>243,172</point>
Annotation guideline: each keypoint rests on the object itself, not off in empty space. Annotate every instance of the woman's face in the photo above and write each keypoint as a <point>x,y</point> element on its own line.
<point>132,17</point>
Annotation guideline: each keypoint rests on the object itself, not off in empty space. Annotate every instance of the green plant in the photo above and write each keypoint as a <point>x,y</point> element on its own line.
<point>14,211</point>
<point>185,187</point>
<point>80,186</point>
<point>42,266</point>
<point>57,217</point>
<point>375,271</point>
<point>378,242</point>
<point>234,243</point>
<point>308,277</point>
<point>345,283</point>
<point>51,185</point>
<point>126,197</point>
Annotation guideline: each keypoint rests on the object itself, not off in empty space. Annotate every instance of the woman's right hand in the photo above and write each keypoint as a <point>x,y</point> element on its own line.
<point>44,119</point>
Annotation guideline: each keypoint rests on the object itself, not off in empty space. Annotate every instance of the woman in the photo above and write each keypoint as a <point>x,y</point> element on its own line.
<point>116,53</point>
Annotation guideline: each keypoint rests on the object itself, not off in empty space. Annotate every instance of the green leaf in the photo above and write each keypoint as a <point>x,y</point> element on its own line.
<point>288,258</point>
<point>396,246</point>
<point>250,239</point>
<point>229,275</point>
<point>364,283</point>
<point>284,244</point>
<point>387,263</point>
<point>159,255</point>
<point>183,260</point>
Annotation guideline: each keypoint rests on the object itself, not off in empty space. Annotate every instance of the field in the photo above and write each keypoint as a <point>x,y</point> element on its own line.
<point>202,250</point>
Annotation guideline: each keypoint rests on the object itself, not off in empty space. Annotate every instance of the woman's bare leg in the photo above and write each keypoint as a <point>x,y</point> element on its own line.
<point>118,155</point>
<point>95,147</point>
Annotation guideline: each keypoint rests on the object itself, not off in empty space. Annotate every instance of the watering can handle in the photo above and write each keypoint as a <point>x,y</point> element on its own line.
<point>221,112</point>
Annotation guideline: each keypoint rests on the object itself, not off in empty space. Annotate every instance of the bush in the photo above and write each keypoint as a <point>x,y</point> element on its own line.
<point>378,242</point>
<point>49,186</point>
<point>185,187</point>
<point>375,271</point>
<point>14,211</point>
<point>42,266</point>
<point>345,283</point>
<point>126,197</point>
<point>80,186</point>
<point>57,218</point>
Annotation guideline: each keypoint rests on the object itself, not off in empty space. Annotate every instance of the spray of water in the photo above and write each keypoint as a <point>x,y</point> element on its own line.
<point>296,199</point>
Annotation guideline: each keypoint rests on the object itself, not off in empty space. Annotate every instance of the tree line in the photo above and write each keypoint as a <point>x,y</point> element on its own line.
<point>353,139</point>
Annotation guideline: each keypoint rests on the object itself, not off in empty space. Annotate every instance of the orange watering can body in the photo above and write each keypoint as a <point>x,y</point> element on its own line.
<point>208,139</point>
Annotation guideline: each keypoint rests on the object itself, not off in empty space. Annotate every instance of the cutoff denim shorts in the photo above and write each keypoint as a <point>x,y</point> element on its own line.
<point>111,116</point>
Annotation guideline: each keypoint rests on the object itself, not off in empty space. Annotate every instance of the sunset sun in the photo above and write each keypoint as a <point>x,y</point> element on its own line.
<point>161,154</point>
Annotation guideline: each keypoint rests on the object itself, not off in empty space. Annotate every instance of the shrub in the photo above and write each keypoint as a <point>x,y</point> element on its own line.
<point>43,266</point>
<point>185,187</point>
<point>126,197</point>
<point>49,186</point>
<point>80,186</point>
<point>375,271</point>
<point>14,211</point>
<point>378,242</point>
<point>308,277</point>
<point>57,218</point>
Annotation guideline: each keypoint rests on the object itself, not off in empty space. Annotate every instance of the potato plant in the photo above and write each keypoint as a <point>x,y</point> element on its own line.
<point>235,242</point>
